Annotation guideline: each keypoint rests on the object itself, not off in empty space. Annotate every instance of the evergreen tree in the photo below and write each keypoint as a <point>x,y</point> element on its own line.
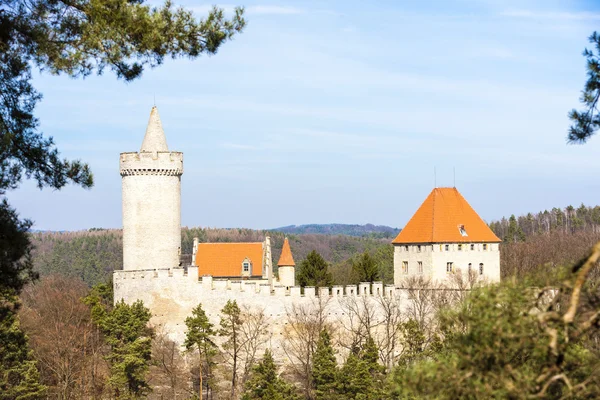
<point>354,380</point>
<point>125,330</point>
<point>314,271</point>
<point>231,325</point>
<point>266,384</point>
<point>199,336</point>
<point>366,268</point>
<point>587,122</point>
<point>19,376</point>
<point>324,368</point>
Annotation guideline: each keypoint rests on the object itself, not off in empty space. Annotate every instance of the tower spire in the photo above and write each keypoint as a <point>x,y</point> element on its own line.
<point>155,139</point>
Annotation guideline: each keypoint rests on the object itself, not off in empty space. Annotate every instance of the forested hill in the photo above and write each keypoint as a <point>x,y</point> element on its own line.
<point>370,230</point>
<point>567,220</point>
<point>93,255</point>
<point>537,242</point>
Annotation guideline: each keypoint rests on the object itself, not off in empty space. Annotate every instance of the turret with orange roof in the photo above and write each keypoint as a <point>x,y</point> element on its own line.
<point>286,265</point>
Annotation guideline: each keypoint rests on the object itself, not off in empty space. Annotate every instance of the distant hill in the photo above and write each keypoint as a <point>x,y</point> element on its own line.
<point>369,230</point>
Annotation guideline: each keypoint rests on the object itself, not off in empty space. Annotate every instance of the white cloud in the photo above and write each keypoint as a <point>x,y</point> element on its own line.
<point>273,10</point>
<point>555,15</point>
<point>204,9</point>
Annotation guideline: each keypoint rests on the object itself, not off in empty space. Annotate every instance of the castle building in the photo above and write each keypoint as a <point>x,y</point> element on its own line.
<point>446,236</point>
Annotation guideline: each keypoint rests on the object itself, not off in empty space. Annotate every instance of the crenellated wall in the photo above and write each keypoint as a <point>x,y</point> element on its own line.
<point>171,294</point>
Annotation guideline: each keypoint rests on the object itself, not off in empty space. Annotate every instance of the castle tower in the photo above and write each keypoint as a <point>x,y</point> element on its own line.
<point>445,237</point>
<point>286,266</point>
<point>151,185</point>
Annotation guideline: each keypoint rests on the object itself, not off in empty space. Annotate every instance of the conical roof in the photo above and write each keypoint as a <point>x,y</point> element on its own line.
<point>155,139</point>
<point>445,217</point>
<point>286,259</point>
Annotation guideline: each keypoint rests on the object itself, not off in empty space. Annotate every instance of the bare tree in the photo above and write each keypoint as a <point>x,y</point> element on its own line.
<point>304,324</point>
<point>168,373</point>
<point>389,333</point>
<point>254,334</point>
<point>66,344</point>
<point>358,322</point>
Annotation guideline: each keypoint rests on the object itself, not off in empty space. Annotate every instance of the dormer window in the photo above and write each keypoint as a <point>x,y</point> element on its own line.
<point>462,230</point>
<point>246,267</point>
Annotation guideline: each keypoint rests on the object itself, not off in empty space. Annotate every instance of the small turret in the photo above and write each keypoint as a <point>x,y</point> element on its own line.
<point>287,266</point>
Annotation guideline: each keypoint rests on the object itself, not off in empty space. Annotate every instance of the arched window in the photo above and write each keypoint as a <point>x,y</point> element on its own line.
<point>480,268</point>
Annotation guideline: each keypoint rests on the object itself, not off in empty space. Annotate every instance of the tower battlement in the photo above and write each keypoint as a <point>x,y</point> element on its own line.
<point>155,163</point>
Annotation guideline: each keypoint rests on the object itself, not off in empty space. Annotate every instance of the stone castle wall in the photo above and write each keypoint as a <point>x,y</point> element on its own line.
<point>171,294</point>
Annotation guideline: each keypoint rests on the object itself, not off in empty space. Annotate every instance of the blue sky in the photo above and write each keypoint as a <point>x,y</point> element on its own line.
<point>338,111</point>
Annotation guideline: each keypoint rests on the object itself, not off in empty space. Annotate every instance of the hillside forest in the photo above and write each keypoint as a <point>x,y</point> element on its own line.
<point>100,350</point>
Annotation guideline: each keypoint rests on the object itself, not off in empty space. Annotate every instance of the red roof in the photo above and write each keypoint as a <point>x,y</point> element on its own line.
<point>225,259</point>
<point>445,217</point>
<point>286,258</point>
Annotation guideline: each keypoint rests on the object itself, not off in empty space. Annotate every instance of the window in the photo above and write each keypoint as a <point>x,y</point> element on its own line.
<point>447,247</point>
<point>419,248</point>
<point>470,267</point>
<point>485,246</point>
<point>472,247</point>
<point>405,248</point>
<point>462,230</point>
<point>460,247</point>
<point>420,267</point>
<point>448,267</point>
<point>481,269</point>
<point>405,267</point>
<point>246,267</point>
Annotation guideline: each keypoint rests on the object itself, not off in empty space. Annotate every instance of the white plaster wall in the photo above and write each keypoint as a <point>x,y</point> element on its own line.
<point>151,211</point>
<point>413,256</point>
<point>171,296</point>
<point>435,258</point>
<point>287,276</point>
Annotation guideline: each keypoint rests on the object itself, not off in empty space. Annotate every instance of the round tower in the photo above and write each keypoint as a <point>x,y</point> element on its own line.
<point>151,184</point>
<point>286,266</point>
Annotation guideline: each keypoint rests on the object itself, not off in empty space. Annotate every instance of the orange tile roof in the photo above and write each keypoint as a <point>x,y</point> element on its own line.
<point>440,218</point>
<point>286,258</point>
<point>225,259</point>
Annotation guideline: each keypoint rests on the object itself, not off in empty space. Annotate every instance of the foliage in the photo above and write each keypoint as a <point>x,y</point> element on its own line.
<point>199,336</point>
<point>587,122</point>
<point>266,384</point>
<point>231,326</point>
<point>19,376</point>
<point>324,368</point>
<point>125,330</point>
<point>314,271</point>
<point>505,341</point>
<point>365,268</point>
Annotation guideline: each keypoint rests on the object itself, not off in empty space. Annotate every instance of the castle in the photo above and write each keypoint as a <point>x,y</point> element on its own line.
<point>445,237</point>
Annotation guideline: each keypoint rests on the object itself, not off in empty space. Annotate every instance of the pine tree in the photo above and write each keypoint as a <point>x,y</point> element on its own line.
<point>125,330</point>
<point>19,376</point>
<point>199,336</point>
<point>355,381</point>
<point>231,325</point>
<point>266,384</point>
<point>324,368</point>
<point>314,271</point>
<point>366,268</point>
<point>587,122</point>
